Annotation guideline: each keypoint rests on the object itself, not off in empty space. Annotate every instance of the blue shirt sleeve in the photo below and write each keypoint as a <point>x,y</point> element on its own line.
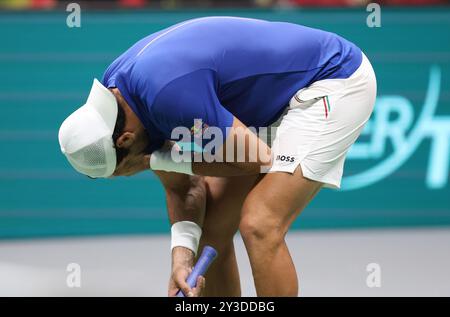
<point>191,102</point>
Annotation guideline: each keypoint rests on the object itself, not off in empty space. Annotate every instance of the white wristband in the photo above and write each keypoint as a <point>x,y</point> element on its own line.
<point>162,161</point>
<point>186,234</point>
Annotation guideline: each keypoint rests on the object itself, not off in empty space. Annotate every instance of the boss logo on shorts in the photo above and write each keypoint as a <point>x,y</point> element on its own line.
<point>285,158</point>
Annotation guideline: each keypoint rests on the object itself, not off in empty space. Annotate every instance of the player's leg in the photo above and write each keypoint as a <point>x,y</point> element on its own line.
<point>323,121</point>
<point>267,214</point>
<point>224,203</point>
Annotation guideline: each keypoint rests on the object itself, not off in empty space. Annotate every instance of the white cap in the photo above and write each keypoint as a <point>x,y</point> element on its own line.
<point>85,137</point>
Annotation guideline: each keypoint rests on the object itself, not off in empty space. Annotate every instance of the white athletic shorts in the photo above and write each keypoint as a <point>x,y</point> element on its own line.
<point>321,123</point>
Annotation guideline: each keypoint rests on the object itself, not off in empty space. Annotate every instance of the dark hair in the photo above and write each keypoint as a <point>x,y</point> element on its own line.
<point>118,131</point>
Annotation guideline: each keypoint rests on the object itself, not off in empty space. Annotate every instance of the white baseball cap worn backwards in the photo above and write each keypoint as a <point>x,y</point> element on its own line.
<point>85,137</point>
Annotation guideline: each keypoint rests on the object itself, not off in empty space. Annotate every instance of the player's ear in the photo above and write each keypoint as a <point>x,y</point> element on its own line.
<point>126,140</point>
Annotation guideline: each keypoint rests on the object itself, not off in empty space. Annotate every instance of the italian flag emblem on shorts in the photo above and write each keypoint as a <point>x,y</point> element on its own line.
<point>326,104</point>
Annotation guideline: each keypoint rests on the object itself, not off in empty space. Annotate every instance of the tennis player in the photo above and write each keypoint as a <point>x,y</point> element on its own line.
<point>186,102</point>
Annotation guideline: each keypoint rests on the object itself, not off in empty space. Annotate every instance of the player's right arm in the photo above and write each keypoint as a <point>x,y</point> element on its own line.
<point>186,202</point>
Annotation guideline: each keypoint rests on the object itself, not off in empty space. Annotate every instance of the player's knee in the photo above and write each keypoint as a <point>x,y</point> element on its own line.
<point>258,228</point>
<point>222,241</point>
<point>226,252</point>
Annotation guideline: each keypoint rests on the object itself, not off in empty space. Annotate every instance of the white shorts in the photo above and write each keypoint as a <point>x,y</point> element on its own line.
<point>321,123</point>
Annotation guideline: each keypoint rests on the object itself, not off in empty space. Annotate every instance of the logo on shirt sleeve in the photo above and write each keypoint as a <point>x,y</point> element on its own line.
<point>199,127</point>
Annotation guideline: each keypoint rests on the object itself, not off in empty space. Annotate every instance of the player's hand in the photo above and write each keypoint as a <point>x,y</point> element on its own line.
<point>182,263</point>
<point>178,282</point>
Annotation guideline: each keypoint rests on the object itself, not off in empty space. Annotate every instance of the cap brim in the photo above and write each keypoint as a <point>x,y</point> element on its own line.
<point>104,102</point>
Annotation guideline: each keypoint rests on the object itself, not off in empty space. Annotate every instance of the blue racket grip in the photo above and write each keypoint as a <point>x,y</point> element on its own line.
<point>206,258</point>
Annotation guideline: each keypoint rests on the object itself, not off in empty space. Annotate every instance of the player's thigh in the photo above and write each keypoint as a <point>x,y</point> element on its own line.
<point>275,202</point>
<point>225,196</point>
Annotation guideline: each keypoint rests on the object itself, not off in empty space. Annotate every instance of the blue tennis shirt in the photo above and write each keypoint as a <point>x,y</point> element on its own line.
<point>218,67</point>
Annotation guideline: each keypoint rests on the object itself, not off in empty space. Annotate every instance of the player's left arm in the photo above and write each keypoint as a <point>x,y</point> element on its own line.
<point>242,153</point>
<point>189,110</point>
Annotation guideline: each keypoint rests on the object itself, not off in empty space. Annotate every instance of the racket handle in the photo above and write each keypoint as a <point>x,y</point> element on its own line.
<point>206,258</point>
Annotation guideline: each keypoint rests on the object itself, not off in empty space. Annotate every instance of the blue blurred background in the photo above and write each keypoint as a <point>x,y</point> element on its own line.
<point>397,174</point>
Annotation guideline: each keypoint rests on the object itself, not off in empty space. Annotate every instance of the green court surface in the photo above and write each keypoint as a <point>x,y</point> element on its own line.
<point>401,163</point>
